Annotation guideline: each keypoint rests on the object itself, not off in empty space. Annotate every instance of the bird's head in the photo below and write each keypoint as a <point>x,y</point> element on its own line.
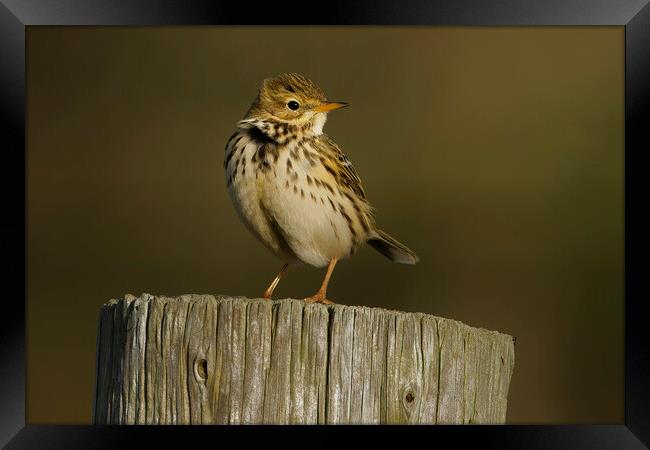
<point>294,99</point>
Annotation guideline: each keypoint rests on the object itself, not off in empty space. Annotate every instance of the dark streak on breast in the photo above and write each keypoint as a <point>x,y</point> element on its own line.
<point>258,136</point>
<point>330,170</point>
<point>348,219</point>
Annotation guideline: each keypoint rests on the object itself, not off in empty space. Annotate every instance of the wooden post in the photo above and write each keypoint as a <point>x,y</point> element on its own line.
<point>199,359</point>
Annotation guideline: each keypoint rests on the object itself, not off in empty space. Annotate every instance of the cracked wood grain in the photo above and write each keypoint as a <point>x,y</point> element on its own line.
<point>200,359</point>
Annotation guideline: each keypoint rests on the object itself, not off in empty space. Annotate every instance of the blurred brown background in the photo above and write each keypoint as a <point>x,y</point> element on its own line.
<point>496,153</point>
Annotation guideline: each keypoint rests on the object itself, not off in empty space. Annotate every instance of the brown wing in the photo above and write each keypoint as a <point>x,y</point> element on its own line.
<point>343,170</point>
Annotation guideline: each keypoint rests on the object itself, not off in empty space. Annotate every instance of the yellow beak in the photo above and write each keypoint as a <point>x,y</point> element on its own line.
<point>330,106</point>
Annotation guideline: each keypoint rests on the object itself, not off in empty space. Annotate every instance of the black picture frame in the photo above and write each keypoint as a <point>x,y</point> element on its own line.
<point>16,15</point>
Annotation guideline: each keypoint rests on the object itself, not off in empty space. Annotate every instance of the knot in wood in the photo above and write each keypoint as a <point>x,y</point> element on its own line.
<point>201,368</point>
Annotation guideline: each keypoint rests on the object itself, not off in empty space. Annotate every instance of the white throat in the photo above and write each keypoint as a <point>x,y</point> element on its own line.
<point>319,123</point>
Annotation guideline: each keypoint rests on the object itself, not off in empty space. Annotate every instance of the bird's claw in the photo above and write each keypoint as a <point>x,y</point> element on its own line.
<point>319,299</point>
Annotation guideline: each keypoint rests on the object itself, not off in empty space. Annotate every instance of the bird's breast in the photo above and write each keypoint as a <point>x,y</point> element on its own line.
<point>288,195</point>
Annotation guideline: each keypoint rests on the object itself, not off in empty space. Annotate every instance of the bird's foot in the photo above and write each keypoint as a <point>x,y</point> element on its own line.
<point>319,297</point>
<point>266,295</point>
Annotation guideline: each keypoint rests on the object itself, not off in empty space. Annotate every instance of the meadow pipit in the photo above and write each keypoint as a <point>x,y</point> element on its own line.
<point>293,187</point>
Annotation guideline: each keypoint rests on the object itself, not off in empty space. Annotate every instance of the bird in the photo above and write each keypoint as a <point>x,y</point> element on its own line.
<point>293,187</point>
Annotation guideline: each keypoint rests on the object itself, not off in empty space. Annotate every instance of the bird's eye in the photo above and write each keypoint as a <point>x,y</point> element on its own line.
<point>293,105</point>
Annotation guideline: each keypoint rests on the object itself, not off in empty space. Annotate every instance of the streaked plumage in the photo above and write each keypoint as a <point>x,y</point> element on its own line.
<point>292,185</point>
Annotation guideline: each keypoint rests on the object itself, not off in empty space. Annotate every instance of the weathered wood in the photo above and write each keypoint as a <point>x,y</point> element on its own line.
<point>199,359</point>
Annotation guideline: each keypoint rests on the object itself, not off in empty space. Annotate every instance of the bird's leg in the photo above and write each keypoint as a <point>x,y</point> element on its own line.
<point>319,297</point>
<point>269,290</point>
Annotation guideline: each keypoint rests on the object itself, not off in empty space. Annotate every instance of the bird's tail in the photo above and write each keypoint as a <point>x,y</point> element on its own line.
<point>392,248</point>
